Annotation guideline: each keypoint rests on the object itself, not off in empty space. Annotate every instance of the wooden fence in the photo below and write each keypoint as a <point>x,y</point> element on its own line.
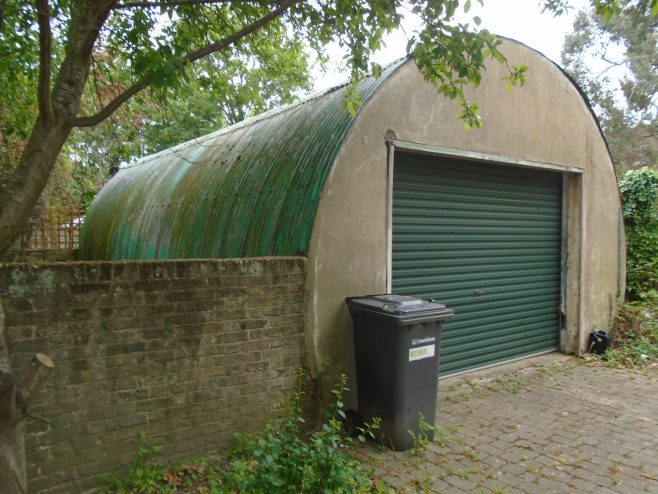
<point>58,229</point>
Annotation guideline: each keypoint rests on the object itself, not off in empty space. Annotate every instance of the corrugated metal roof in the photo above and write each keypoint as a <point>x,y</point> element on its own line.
<point>248,190</point>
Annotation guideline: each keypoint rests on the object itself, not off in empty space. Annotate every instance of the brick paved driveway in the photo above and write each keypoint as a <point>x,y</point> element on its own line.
<point>557,426</point>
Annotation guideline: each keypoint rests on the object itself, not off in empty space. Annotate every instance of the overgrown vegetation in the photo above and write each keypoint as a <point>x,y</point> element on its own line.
<point>635,329</point>
<point>639,190</point>
<point>282,458</point>
<point>634,337</point>
<point>424,437</point>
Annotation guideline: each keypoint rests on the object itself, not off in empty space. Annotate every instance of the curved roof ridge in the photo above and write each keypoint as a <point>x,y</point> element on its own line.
<point>262,188</point>
<point>273,112</point>
<point>581,91</point>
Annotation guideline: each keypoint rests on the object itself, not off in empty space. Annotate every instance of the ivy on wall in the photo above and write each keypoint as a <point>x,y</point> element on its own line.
<point>639,190</point>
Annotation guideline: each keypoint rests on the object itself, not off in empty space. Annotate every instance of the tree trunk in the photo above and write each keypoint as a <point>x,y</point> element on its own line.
<point>12,457</point>
<point>57,109</point>
<point>27,183</point>
<point>15,395</point>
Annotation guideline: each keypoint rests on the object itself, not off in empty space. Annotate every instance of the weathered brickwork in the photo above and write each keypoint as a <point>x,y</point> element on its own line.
<point>186,352</point>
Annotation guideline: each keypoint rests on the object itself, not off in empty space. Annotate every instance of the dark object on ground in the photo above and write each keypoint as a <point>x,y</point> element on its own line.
<point>599,342</point>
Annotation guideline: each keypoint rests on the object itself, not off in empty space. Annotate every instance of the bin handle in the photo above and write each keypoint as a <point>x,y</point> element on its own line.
<point>390,307</point>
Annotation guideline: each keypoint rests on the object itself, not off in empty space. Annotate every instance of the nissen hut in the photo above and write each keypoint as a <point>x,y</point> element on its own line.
<point>515,226</point>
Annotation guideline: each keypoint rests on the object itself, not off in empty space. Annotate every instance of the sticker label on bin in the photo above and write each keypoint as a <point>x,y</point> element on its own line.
<point>421,352</point>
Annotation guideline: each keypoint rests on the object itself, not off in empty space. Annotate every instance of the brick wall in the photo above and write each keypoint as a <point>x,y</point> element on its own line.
<point>186,352</point>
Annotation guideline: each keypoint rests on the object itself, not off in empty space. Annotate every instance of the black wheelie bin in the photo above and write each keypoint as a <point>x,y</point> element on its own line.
<point>397,341</point>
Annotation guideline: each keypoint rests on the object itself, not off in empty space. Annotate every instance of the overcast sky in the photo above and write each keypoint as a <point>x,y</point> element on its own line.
<point>521,20</point>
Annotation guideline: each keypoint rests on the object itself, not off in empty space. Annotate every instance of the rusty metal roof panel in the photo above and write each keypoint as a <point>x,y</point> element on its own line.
<point>248,190</point>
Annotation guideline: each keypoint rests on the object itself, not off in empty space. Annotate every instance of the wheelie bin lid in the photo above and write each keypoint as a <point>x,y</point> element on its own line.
<point>402,307</point>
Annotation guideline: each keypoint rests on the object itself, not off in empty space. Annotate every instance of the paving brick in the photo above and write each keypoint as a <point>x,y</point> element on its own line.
<point>571,429</point>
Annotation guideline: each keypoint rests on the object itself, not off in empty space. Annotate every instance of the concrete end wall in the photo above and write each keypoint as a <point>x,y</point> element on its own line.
<point>545,121</point>
<point>186,352</point>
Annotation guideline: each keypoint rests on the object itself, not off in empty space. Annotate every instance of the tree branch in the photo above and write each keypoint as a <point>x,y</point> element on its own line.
<point>3,3</point>
<point>115,104</point>
<point>112,106</point>
<point>648,136</point>
<point>228,41</point>
<point>45,55</point>
<point>172,3</point>
<point>94,73</point>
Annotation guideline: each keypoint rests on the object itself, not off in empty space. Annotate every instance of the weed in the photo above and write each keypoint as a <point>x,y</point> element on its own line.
<point>575,461</point>
<point>443,437</point>
<point>461,397</point>
<point>465,474</point>
<point>380,488</point>
<point>144,471</point>
<point>491,475</point>
<point>424,483</point>
<point>513,385</point>
<point>382,446</point>
<point>280,459</point>
<point>376,461</point>
<point>469,454</point>
<point>423,438</point>
<point>510,383</point>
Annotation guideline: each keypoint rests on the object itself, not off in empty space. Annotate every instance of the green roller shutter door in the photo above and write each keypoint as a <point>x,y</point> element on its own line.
<point>486,241</point>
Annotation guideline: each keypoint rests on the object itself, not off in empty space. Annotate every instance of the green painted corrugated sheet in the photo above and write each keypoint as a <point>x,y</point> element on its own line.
<point>461,229</point>
<point>249,190</point>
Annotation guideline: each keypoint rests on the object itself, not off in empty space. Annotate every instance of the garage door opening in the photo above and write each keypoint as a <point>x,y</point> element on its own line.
<point>486,240</point>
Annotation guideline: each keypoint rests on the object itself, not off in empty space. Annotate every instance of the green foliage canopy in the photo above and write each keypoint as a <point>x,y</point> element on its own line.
<point>57,56</point>
<point>222,90</point>
<point>622,36</point>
